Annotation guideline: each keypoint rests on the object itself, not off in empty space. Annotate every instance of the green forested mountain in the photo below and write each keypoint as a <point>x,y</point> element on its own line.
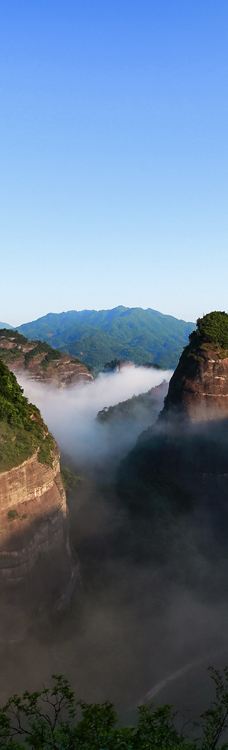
<point>96,337</point>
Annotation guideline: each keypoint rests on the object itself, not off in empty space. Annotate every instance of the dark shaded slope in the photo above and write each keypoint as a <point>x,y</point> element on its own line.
<point>175,481</point>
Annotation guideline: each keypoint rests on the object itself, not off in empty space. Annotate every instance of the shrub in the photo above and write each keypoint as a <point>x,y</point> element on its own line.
<point>12,514</point>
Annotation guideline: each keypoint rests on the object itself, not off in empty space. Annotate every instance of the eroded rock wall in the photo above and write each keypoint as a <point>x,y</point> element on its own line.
<point>34,544</point>
<point>198,389</point>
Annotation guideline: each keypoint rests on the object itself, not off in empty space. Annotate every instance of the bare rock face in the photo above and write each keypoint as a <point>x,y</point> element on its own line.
<point>40,361</point>
<point>198,390</point>
<point>37,571</point>
<point>33,523</point>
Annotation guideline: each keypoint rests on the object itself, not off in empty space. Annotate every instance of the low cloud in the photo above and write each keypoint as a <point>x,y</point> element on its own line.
<point>140,628</point>
<point>70,413</point>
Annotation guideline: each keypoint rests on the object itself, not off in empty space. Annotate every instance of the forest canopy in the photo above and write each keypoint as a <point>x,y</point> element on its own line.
<point>212,328</point>
<point>52,719</point>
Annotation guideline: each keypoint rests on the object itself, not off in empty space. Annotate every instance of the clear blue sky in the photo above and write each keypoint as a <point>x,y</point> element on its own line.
<point>113,156</point>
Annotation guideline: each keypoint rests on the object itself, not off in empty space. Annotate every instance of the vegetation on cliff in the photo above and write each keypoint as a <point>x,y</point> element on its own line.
<point>99,336</point>
<point>39,359</point>
<point>145,404</point>
<point>211,329</point>
<point>22,430</point>
<point>51,718</point>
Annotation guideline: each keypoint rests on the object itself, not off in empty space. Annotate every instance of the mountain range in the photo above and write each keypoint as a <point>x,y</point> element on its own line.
<point>98,336</point>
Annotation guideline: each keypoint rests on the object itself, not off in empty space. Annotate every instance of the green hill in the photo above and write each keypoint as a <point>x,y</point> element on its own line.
<point>22,430</point>
<point>122,333</point>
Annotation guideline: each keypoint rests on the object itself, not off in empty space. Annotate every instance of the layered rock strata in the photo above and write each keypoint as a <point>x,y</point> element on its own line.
<point>33,524</point>
<point>40,362</point>
<point>198,389</point>
<point>35,555</point>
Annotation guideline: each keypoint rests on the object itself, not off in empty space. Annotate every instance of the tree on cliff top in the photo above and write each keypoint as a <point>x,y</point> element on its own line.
<point>213,329</point>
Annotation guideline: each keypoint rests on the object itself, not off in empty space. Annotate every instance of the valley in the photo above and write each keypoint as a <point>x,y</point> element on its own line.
<point>147,525</point>
<point>113,376</point>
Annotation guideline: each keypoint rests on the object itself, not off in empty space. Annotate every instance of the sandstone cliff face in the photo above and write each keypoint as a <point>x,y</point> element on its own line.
<point>34,545</point>
<point>40,361</point>
<point>198,390</point>
<point>37,572</point>
<point>175,481</point>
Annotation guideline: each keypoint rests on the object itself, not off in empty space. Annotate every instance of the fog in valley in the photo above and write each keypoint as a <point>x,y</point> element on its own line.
<point>134,629</point>
<point>70,413</point>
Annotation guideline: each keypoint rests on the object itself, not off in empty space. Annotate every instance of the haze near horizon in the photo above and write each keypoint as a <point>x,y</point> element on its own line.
<point>114,155</point>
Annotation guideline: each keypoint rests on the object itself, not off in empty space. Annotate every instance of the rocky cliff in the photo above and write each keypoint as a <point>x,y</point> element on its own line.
<point>176,478</point>
<point>198,389</point>
<point>33,525</point>
<point>35,555</point>
<point>40,361</point>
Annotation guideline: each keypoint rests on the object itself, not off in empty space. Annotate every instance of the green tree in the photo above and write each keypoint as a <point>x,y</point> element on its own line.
<point>212,328</point>
<point>51,719</point>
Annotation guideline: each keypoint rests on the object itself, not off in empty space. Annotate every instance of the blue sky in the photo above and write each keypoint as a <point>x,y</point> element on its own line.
<point>113,156</point>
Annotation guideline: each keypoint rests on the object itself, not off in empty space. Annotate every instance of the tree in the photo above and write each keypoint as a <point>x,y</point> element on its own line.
<point>212,328</point>
<point>51,719</point>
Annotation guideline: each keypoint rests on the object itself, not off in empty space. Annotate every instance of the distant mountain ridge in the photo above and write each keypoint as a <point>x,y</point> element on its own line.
<point>98,336</point>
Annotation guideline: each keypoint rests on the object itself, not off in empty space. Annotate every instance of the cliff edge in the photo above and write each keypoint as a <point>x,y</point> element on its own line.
<point>40,361</point>
<point>35,555</point>
<point>198,389</point>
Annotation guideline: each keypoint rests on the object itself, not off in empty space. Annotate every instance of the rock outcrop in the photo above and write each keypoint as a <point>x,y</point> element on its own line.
<point>176,478</point>
<point>40,362</point>
<point>35,554</point>
<point>198,389</point>
<point>33,525</point>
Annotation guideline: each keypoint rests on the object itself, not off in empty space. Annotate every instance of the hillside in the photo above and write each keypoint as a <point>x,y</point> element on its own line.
<point>142,336</point>
<point>139,410</point>
<point>22,431</point>
<point>40,361</point>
